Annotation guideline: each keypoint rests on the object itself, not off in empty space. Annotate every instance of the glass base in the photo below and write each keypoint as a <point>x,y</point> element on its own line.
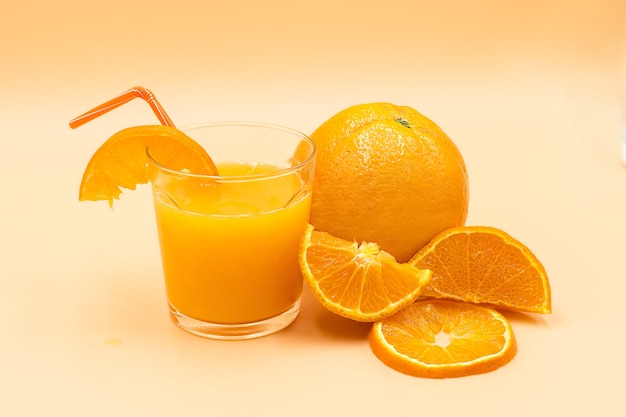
<point>235,331</point>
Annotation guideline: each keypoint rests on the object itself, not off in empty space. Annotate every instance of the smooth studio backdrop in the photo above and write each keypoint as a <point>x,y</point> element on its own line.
<point>529,91</point>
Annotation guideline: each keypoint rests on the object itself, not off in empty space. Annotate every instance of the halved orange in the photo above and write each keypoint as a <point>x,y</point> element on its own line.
<point>485,265</point>
<point>357,281</point>
<point>122,161</point>
<point>443,339</point>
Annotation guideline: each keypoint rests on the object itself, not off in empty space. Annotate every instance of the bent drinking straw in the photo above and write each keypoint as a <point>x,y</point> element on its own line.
<point>134,92</point>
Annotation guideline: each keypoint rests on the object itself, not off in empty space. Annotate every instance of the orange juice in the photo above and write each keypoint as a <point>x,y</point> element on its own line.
<point>230,250</point>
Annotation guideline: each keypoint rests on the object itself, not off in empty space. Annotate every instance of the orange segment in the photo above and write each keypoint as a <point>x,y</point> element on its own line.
<point>443,339</point>
<point>122,162</point>
<point>360,282</point>
<point>485,265</point>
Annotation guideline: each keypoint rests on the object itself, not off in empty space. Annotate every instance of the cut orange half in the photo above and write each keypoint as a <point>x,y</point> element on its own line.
<point>122,161</point>
<point>357,281</point>
<point>443,339</point>
<point>485,265</point>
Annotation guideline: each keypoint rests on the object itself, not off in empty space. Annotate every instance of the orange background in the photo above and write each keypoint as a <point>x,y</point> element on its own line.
<point>529,91</point>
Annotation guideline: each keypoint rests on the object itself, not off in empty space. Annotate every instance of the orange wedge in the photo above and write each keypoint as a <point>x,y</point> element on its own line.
<point>360,282</point>
<point>485,265</point>
<point>122,161</point>
<point>443,339</point>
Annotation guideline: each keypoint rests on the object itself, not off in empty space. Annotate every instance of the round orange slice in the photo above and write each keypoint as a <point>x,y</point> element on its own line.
<point>357,281</point>
<point>443,339</point>
<point>122,161</point>
<point>485,265</point>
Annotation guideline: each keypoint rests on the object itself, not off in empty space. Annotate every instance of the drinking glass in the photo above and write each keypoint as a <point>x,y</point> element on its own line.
<point>230,243</point>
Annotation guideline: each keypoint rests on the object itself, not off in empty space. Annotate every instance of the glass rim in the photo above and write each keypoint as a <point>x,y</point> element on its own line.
<point>240,178</point>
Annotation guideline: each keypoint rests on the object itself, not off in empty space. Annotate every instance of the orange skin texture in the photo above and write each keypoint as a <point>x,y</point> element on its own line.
<point>389,175</point>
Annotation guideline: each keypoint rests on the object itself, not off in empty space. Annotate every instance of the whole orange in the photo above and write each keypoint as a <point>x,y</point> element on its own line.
<point>387,174</point>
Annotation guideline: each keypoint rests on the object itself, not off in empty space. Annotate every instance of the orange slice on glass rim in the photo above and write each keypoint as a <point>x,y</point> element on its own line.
<point>122,161</point>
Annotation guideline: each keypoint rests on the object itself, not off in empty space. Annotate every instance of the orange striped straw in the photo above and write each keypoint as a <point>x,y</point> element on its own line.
<point>134,92</point>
